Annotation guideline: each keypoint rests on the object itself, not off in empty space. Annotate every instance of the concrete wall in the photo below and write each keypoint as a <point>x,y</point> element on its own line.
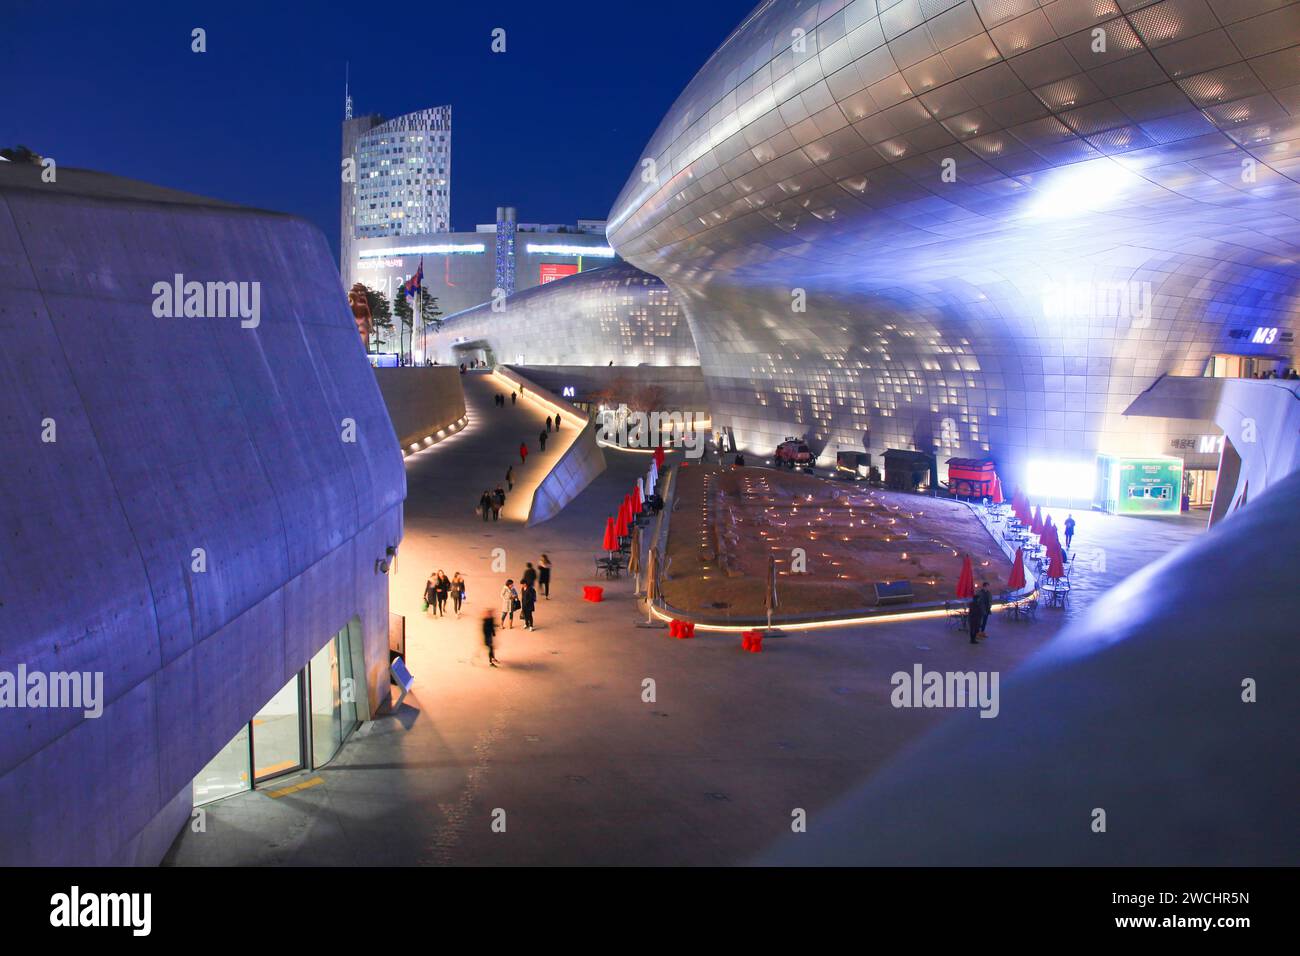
<point>1137,709</point>
<point>421,401</point>
<point>581,462</point>
<point>171,434</point>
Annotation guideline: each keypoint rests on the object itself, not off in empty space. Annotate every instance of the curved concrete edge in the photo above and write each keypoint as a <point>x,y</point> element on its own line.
<point>421,402</point>
<point>1137,710</point>
<point>579,464</point>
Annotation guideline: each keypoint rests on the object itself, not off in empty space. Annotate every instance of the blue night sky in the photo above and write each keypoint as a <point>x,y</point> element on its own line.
<point>553,126</point>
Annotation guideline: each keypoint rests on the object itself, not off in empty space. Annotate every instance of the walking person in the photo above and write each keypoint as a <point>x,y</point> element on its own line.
<point>513,397</point>
<point>509,602</point>
<point>489,635</point>
<point>441,588</point>
<point>528,602</point>
<point>1069,531</point>
<point>457,592</point>
<point>498,501</point>
<point>510,478</point>
<point>557,422</point>
<point>485,503</point>
<point>544,576</point>
<point>430,598</point>
<point>541,441</point>
<point>548,424</point>
<point>529,577</point>
<point>523,453</point>
<point>981,606</point>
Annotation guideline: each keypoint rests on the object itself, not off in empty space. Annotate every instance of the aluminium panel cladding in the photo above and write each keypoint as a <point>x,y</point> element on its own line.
<point>170,435</point>
<point>616,314</point>
<point>1005,218</point>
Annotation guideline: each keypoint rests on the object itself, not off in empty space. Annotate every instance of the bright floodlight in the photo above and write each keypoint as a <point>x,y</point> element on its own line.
<point>1055,478</point>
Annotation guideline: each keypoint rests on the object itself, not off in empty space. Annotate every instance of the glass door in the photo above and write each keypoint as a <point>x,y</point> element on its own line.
<point>277,733</point>
<point>326,725</point>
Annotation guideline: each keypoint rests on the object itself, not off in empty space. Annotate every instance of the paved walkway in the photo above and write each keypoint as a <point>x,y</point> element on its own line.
<point>559,742</point>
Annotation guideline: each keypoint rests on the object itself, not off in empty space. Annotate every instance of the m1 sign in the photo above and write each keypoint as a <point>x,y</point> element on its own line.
<point>556,270</point>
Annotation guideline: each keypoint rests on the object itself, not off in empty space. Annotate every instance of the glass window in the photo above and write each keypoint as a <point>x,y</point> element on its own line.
<point>226,773</point>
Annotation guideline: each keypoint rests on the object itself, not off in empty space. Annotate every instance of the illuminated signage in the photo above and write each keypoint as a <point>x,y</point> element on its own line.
<point>1262,335</point>
<point>568,392</point>
<point>445,249</point>
<point>550,271</point>
<point>557,249</point>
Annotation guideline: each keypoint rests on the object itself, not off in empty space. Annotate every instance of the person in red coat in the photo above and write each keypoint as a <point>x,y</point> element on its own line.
<point>523,452</point>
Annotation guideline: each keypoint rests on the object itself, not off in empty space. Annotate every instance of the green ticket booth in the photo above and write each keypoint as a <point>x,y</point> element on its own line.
<point>1147,486</point>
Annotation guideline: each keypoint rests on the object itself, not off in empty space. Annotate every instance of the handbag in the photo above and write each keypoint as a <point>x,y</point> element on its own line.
<point>514,604</point>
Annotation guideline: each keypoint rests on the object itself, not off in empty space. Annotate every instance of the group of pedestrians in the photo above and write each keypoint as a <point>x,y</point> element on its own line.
<point>437,589</point>
<point>522,598</point>
<point>535,581</point>
<point>492,501</point>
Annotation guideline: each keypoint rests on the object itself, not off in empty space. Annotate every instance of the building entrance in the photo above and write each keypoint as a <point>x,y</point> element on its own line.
<point>301,727</point>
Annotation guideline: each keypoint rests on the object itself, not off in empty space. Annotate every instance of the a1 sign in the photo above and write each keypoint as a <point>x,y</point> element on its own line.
<point>568,392</point>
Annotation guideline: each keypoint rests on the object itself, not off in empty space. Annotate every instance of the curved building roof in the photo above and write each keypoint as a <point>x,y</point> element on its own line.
<point>975,225</point>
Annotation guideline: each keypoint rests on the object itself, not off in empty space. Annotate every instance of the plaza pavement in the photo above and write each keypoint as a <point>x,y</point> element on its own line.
<point>559,738</point>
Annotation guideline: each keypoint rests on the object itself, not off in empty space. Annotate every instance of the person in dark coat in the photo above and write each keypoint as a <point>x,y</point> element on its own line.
<point>544,576</point>
<point>527,604</point>
<point>541,441</point>
<point>557,423</point>
<point>457,592</point>
<point>430,597</point>
<point>489,635</point>
<point>530,574</point>
<point>1069,531</point>
<point>981,606</point>
<point>513,397</point>
<point>441,588</point>
<point>485,503</point>
<point>548,424</point>
<point>510,478</point>
<point>498,502</point>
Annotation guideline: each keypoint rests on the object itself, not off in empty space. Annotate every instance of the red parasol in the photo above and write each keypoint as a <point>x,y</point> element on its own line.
<point>611,535</point>
<point>620,526</point>
<point>637,505</point>
<point>1056,568</point>
<point>659,455</point>
<point>997,490</point>
<point>966,582</point>
<point>1036,525</point>
<point>1017,579</point>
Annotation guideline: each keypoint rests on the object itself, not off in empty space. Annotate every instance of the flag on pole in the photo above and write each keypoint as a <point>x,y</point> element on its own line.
<point>416,282</point>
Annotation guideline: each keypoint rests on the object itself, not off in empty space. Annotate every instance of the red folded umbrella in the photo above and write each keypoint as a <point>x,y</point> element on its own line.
<point>1036,525</point>
<point>997,490</point>
<point>966,581</point>
<point>611,536</point>
<point>1017,579</point>
<point>659,455</point>
<point>620,526</point>
<point>637,505</point>
<point>1056,568</point>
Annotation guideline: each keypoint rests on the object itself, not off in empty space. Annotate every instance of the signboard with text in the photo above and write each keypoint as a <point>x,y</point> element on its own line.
<point>550,271</point>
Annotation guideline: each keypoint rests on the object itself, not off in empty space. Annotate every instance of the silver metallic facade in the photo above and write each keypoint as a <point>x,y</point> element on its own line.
<point>978,226</point>
<point>617,314</point>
